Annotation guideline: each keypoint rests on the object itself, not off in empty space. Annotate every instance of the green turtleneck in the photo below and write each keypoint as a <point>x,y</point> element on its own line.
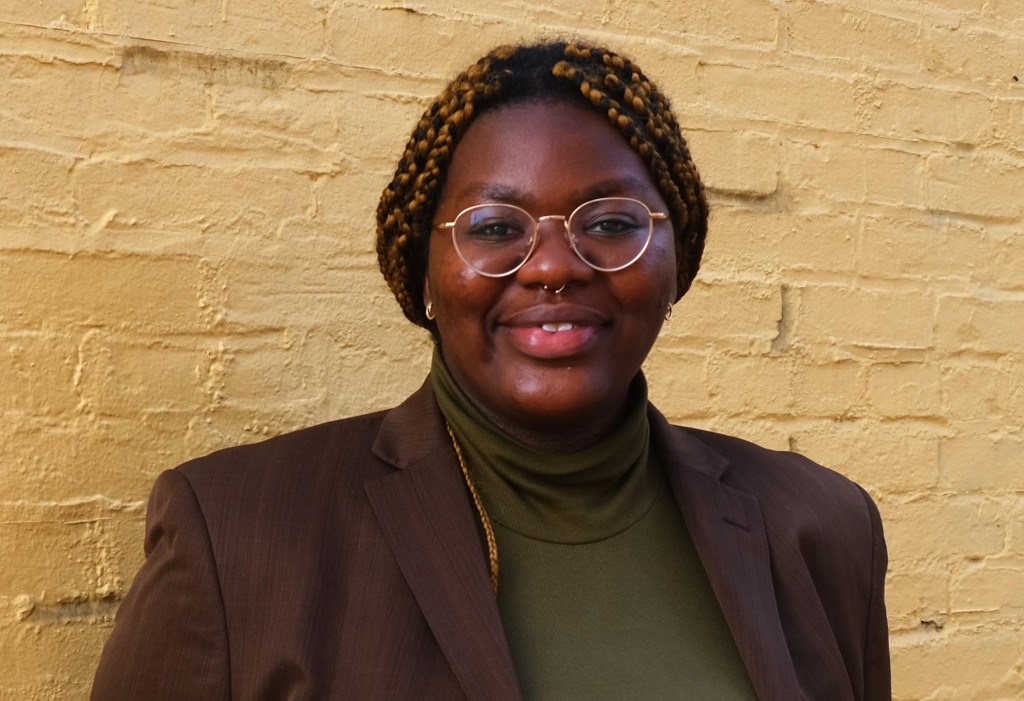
<point>600,589</point>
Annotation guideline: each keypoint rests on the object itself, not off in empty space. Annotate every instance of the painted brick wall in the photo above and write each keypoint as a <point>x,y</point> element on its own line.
<point>186,262</point>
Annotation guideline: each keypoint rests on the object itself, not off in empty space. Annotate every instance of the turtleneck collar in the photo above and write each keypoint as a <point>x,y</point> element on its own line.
<point>577,497</point>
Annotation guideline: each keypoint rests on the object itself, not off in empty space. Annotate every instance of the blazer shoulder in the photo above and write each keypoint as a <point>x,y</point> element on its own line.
<point>304,471</point>
<point>776,473</point>
<point>364,446</point>
<point>796,495</point>
<point>293,454</point>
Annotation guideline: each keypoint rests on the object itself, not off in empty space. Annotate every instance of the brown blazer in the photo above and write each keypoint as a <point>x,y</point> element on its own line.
<point>344,561</point>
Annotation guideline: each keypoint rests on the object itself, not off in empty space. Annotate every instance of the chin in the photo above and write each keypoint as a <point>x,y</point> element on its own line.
<point>549,403</point>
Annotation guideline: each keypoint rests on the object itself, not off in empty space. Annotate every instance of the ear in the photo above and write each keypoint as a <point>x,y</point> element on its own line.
<point>427,297</point>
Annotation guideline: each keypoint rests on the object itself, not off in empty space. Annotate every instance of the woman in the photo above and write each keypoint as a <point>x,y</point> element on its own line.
<point>525,525</point>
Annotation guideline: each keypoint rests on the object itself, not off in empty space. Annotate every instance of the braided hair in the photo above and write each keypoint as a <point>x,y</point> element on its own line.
<point>551,71</point>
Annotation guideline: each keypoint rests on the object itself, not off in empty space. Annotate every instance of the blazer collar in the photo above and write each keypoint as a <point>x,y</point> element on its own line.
<point>430,525</point>
<point>729,534</point>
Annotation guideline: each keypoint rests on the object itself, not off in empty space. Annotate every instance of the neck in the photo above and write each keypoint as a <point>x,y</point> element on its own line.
<point>547,490</point>
<point>553,432</point>
<point>552,435</point>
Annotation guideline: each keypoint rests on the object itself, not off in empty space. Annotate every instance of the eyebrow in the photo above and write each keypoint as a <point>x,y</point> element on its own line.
<point>492,192</point>
<point>611,187</point>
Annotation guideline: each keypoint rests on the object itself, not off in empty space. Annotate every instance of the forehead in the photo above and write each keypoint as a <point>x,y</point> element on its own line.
<point>544,154</point>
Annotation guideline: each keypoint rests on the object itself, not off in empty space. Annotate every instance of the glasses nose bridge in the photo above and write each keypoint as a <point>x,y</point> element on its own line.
<point>566,235</point>
<point>547,217</point>
<point>553,217</point>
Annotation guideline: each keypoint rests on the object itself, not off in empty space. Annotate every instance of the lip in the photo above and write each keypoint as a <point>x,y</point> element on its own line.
<point>581,328</point>
<point>567,312</point>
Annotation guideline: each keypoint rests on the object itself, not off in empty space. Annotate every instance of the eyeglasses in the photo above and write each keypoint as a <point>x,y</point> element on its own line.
<point>608,234</point>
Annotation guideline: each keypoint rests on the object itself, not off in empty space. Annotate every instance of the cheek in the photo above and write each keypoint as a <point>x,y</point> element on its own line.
<point>443,279</point>
<point>655,284</point>
<point>455,291</point>
<point>462,299</point>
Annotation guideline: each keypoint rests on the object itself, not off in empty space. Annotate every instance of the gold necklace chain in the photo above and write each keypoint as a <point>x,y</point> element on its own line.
<point>485,521</point>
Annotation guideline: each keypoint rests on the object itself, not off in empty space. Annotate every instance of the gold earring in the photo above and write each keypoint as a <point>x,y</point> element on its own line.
<point>668,312</point>
<point>430,311</point>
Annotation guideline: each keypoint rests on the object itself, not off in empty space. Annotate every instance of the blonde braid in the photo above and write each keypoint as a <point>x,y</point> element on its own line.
<point>408,202</point>
<point>644,117</point>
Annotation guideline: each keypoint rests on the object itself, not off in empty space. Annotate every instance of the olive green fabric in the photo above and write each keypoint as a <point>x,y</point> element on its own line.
<point>601,592</point>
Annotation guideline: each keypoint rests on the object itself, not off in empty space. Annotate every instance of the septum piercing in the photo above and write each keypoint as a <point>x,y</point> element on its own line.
<point>558,291</point>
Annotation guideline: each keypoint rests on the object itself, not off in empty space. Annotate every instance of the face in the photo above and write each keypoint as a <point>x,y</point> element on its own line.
<point>536,362</point>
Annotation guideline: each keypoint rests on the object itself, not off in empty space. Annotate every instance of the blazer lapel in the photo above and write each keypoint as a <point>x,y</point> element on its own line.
<point>728,533</point>
<point>429,522</point>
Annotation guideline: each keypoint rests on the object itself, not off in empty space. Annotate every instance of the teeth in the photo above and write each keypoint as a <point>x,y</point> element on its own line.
<point>555,328</point>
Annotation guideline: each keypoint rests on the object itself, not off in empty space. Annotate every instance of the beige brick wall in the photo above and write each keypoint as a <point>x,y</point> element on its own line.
<point>186,262</point>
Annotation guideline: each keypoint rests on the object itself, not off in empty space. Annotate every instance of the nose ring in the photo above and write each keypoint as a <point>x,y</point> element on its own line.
<point>558,291</point>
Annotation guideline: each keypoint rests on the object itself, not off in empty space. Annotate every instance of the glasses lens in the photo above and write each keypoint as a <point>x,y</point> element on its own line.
<point>611,233</point>
<point>493,239</point>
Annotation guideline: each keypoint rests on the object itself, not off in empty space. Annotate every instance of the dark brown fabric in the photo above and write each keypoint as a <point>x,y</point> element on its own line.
<point>344,562</point>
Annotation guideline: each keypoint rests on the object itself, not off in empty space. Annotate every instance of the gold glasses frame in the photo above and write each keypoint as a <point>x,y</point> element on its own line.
<point>569,236</point>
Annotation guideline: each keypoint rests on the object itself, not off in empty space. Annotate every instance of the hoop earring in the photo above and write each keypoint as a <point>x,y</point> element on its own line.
<point>668,312</point>
<point>430,311</point>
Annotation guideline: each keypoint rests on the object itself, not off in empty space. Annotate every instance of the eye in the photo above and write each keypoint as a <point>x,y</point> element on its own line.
<point>611,225</point>
<point>612,219</point>
<point>495,230</point>
<point>493,225</point>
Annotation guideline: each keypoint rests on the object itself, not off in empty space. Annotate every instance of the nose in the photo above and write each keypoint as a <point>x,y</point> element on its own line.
<point>553,261</point>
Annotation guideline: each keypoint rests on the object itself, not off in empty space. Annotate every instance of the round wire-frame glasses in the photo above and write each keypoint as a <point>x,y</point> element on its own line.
<point>608,234</point>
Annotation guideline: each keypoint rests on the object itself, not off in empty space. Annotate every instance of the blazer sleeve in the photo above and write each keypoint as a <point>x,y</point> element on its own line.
<point>877,674</point>
<point>170,637</point>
